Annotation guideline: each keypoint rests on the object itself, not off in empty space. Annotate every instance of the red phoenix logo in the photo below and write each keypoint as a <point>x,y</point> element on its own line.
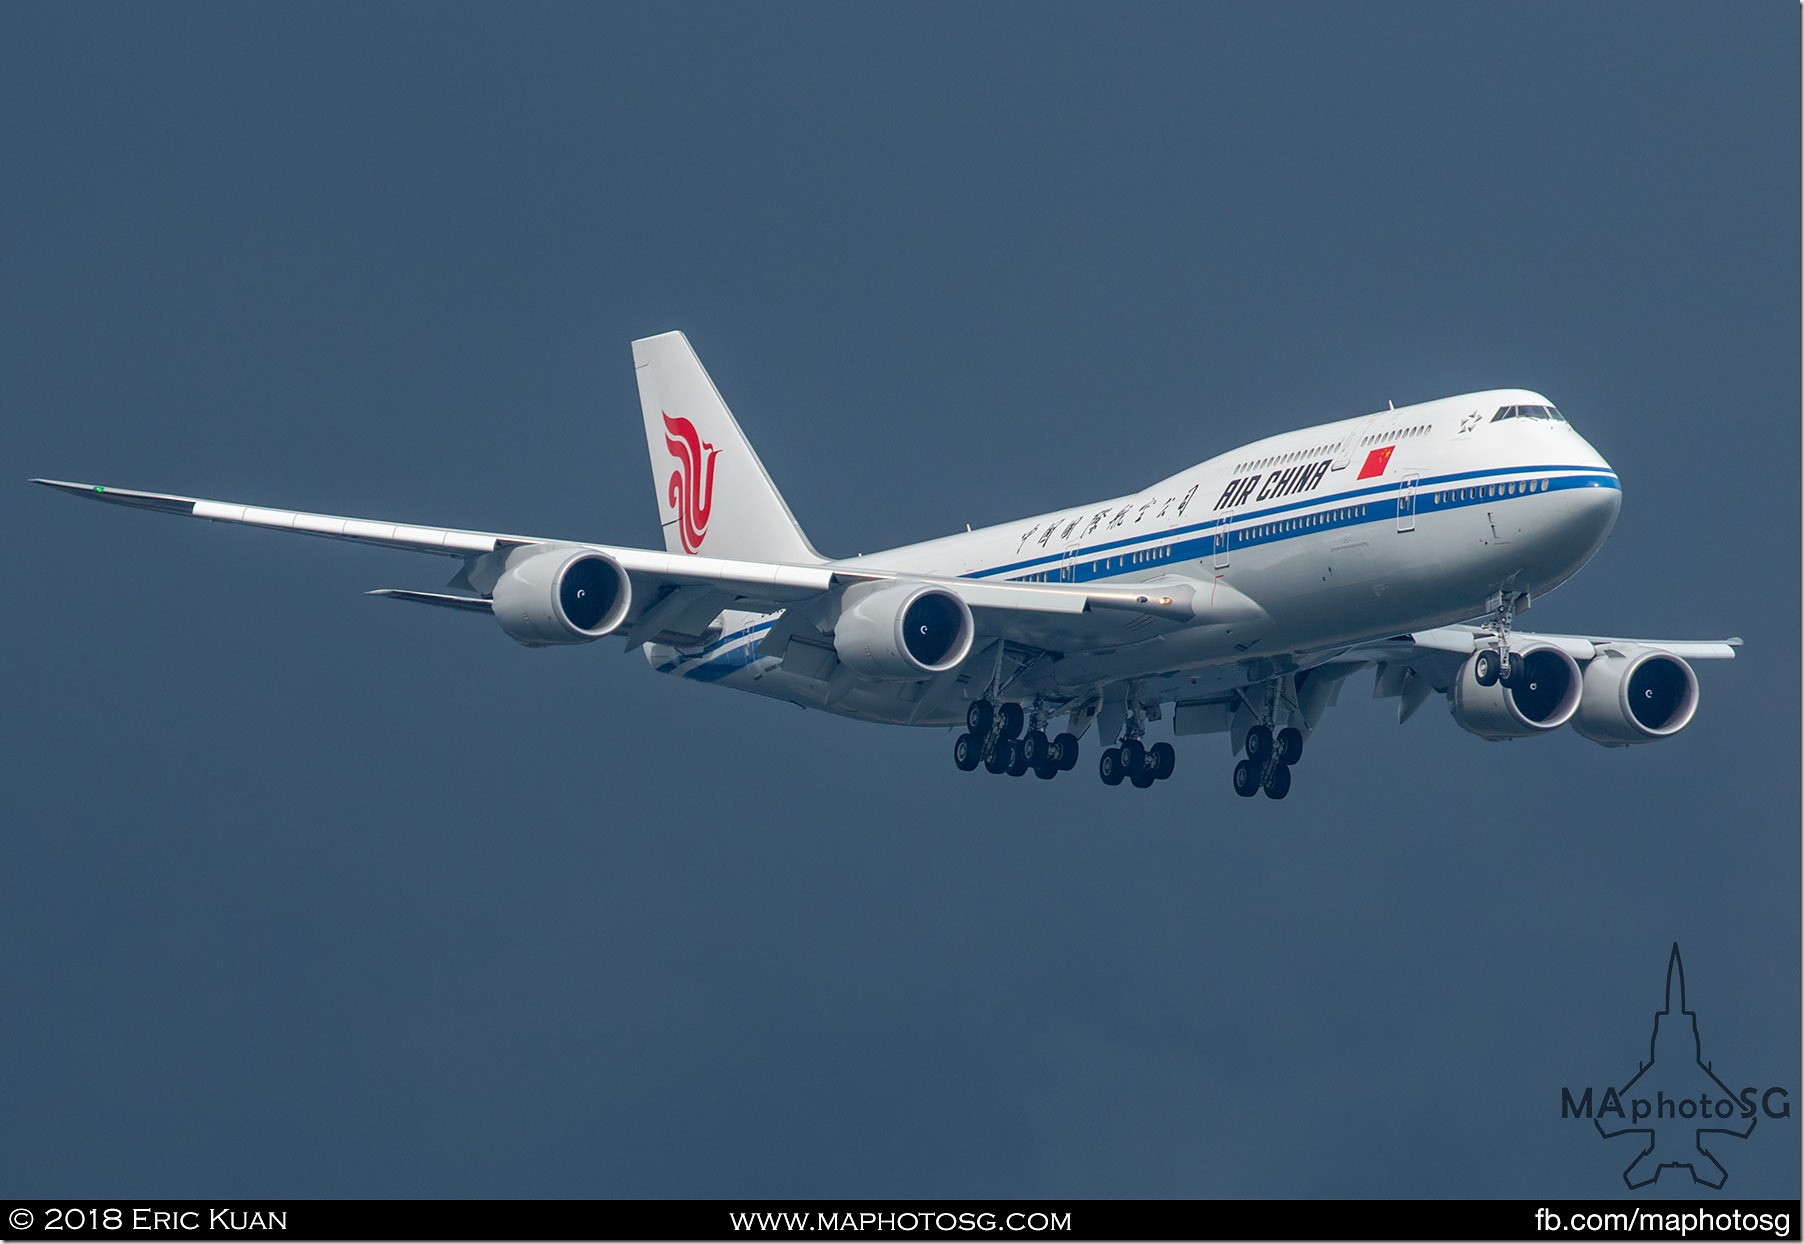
<point>692,484</point>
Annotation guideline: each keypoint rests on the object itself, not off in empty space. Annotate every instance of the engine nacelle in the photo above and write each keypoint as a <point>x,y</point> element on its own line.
<point>1636,695</point>
<point>1543,698</point>
<point>902,630</point>
<point>561,595</point>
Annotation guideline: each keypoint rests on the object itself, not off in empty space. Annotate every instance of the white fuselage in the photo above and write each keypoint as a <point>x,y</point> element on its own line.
<point>1319,537</point>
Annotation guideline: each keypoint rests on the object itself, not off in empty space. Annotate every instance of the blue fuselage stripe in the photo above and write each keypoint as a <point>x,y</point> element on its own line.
<point>1591,478</point>
<point>1253,529</point>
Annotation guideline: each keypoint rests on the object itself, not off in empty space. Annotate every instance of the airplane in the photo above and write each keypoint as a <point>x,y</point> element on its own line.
<point>1239,593</point>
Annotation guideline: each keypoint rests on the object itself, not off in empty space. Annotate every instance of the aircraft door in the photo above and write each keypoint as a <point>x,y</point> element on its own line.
<point>1406,502</point>
<point>1068,557</point>
<point>1221,548</point>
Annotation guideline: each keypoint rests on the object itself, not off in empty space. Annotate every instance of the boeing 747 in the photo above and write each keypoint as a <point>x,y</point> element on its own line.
<point>1236,596</point>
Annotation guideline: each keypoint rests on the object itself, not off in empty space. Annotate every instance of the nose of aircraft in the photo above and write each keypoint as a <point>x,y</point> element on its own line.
<point>1591,512</point>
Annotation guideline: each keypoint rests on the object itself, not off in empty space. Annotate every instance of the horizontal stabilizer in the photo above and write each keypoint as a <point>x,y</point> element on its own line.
<point>474,604</point>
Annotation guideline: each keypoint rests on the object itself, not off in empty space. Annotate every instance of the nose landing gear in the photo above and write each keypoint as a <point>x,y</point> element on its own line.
<point>1491,666</point>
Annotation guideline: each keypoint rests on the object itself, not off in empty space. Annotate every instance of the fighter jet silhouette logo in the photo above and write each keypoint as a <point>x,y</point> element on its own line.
<point>1677,1092</point>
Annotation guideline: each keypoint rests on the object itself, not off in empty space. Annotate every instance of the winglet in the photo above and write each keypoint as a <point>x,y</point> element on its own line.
<point>166,502</point>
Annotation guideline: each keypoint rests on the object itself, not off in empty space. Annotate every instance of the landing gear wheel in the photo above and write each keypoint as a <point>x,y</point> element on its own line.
<point>1513,670</point>
<point>1037,748</point>
<point>1161,759</point>
<point>1277,782</point>
<point>1013,718</point>
<point>967,752</point>
<point>1246,779</point>
<point>1017,758</point>
<point>1485,668</point>
<point>1047,769</point>
<point>1066,748</point>
<point>979,716</point>
<point>1110,767</point>
<point>1259,743</point>
<point>1144,778</point>
<point>1133,755</point>
<point>998,758</point>
<point>1290,745</point>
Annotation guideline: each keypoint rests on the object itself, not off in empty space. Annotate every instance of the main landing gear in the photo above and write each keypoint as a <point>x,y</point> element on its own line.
<point>1133,760</point>
<point>1268,762</point>
<point>1269,754</point>
<point>993,738</point>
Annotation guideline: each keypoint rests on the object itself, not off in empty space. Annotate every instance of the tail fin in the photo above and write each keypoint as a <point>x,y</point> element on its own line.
<point>716,496</point>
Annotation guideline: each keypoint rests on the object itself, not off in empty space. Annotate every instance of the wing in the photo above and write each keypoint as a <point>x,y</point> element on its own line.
<point>675,596</point>
<point>1409,668</point>
<point>1465,640</point>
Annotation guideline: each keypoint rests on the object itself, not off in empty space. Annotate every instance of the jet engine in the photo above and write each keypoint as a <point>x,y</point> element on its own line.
<point>1543,697</point>
<point>1635,695</point>
<point>561,595</point>
<point>902,630</point>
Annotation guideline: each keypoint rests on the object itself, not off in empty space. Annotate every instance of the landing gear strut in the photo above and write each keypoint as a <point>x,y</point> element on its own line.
<point>1133,760</point>
<point>1269,756</point>
<point>1499,665</point>
<point>993,738</point>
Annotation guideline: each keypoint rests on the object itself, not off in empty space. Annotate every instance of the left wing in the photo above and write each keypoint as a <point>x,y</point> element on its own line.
<point>1465,640</point>
<point>1613,690</point>
<point>1589,674</point>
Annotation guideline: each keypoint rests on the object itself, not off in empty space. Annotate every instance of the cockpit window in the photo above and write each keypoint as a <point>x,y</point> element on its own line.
<point>1528,412</point>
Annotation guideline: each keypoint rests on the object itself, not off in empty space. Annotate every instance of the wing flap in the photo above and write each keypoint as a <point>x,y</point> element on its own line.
<point>444,600</point>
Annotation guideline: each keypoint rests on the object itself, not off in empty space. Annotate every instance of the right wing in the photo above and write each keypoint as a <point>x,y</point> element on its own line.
<point>676,596</point>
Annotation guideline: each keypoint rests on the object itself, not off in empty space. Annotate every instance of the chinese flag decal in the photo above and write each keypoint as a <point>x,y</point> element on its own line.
<point>1376,461</point>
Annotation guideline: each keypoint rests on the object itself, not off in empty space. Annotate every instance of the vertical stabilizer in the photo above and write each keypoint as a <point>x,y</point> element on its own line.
<point>714,496</point>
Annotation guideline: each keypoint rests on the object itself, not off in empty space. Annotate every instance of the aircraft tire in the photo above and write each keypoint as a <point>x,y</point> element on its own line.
<point>979,716</point>
<point>967,753</point>
<point>1133,757</point>
<point>1035,744</point>
<point>1110,767</point>
<point>1246,779</point>
<point>1067,751</point>
<point>1047,769</point>
<point>1512,669</point>
<point>997,760</point>
<point>1013,718</point>
<point>1163,758</point>
<point>1277,782</point>
<point>1017,758</point>
<point>1485,668</point>
<point>1259,743</point>
<point>1144,778</point>
<point>1290,745</point>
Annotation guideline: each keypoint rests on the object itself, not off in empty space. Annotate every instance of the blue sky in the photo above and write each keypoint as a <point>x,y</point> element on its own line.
<point>304,894</point>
